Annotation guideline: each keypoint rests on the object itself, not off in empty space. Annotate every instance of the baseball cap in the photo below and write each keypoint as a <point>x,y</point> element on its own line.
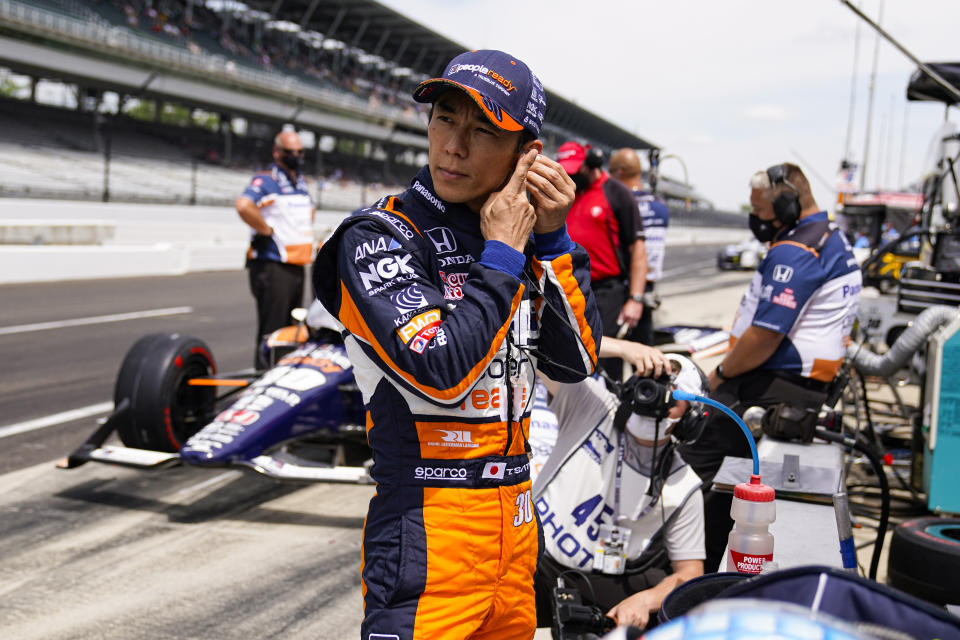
<point>503,87</point>
<point>571,155</point>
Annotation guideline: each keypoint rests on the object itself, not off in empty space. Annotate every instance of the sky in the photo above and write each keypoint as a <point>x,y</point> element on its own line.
<point>729,87</point>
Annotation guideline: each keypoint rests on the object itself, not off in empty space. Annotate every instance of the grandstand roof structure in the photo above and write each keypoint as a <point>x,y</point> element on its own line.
<point>381,31</point>
<point>65,39</point>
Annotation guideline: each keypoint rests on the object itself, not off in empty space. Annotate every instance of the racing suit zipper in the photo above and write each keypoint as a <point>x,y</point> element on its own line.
<point>508,374</point>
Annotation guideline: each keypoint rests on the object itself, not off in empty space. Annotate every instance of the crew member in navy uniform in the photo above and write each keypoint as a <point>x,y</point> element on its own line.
<point>450,294</point>
<point>622,513</point>
<point>625,166</point>
<point>790,331</point>
<point>279,211</point>
<point>604,219</point>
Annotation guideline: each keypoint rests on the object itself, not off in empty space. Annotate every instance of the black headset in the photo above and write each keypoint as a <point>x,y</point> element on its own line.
<point>694,419</point>
<point>786,207</point>
<point>594,159</point>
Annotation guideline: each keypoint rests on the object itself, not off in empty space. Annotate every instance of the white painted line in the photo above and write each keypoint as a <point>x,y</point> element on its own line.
<point>226,475</point>
<point>76,322</point>
<point>57,418</point>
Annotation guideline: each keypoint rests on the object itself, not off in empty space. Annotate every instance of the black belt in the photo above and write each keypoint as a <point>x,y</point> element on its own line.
<point>807,383</point>
<point>491,471</point>
<point>608,282</point>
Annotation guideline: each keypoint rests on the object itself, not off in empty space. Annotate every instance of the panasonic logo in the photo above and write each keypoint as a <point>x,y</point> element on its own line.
<point>432,199</point>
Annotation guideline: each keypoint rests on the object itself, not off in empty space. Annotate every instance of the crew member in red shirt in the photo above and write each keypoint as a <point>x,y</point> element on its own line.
<point>605,220</point>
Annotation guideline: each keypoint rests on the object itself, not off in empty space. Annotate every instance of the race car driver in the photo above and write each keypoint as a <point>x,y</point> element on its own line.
<point>448,305</point>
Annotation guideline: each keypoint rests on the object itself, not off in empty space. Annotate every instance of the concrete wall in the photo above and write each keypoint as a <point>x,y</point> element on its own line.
<point>141,240</point>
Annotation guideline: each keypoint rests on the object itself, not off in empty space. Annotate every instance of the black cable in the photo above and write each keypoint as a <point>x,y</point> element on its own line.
<point>874,459</point>
<point>584,577</point>
<point>866,406</point>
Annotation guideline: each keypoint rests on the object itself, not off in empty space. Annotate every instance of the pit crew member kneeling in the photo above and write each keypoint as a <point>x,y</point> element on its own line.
<point>622,513</point>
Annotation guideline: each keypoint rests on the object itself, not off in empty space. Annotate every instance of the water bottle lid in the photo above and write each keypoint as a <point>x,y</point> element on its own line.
<point>754,491</point>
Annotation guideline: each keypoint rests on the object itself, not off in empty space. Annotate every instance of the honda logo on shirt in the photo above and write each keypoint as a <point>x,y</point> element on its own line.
<point>443,239</point>
<point>782,273</point>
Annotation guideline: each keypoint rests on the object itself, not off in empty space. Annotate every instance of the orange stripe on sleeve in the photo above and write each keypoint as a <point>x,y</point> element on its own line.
<point>354,322</point>
<point>571,288</point>
<point>796,244</point>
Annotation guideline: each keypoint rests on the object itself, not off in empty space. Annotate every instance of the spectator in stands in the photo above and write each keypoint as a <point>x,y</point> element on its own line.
<point>605,221</point>
<point>279,211</point>
<point>625,167</point>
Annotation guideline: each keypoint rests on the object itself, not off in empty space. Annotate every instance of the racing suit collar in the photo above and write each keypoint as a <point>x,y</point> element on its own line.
<point>421,188</point>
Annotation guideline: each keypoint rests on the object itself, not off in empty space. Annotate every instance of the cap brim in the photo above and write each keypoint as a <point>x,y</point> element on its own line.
<point>571,166</point>
<point>499,118</point>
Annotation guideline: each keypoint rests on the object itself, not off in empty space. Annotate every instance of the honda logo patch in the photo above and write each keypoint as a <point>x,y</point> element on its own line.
<point>782,273</point>
<point>443,239</point>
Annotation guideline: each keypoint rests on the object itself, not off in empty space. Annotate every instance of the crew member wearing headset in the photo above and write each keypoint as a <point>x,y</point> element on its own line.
<point>622,514</point>
<point>790,331</point>
<point>604,219</point>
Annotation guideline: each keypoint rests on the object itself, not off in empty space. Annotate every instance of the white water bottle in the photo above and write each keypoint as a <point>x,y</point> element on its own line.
<point>750,543</point>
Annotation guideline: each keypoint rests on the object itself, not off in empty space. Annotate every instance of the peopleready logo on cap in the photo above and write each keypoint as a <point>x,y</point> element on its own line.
<point>503,87</point>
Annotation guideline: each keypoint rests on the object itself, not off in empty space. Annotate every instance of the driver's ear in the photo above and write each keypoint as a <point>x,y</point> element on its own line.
<point>533,144</point>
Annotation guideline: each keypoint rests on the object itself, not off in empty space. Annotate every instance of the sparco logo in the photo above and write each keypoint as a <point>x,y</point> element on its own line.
<point>429,197</point>
<point>440,473</point>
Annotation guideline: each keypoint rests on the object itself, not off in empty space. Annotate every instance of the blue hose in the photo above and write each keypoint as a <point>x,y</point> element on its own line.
<point>689,397</point>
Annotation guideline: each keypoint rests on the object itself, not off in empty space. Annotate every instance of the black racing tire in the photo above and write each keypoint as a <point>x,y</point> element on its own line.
<point>164,409</point>
<point>925,559</point>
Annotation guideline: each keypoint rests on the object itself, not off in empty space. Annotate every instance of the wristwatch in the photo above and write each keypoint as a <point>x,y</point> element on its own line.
<point>719,372</point>
<point>637,297</point>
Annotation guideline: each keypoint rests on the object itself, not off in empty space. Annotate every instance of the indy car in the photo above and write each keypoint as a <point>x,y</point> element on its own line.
<point>746,255</point>
<point>300,419</point>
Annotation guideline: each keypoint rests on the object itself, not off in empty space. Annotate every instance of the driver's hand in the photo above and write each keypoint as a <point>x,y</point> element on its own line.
<point>552,192</point>
<point>507,215</point>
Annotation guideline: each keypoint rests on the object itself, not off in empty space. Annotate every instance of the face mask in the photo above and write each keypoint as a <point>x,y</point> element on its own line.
<point>763,230</point>
<point>645,427</point>
<point>581,181</point>
<point>291,161</point>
